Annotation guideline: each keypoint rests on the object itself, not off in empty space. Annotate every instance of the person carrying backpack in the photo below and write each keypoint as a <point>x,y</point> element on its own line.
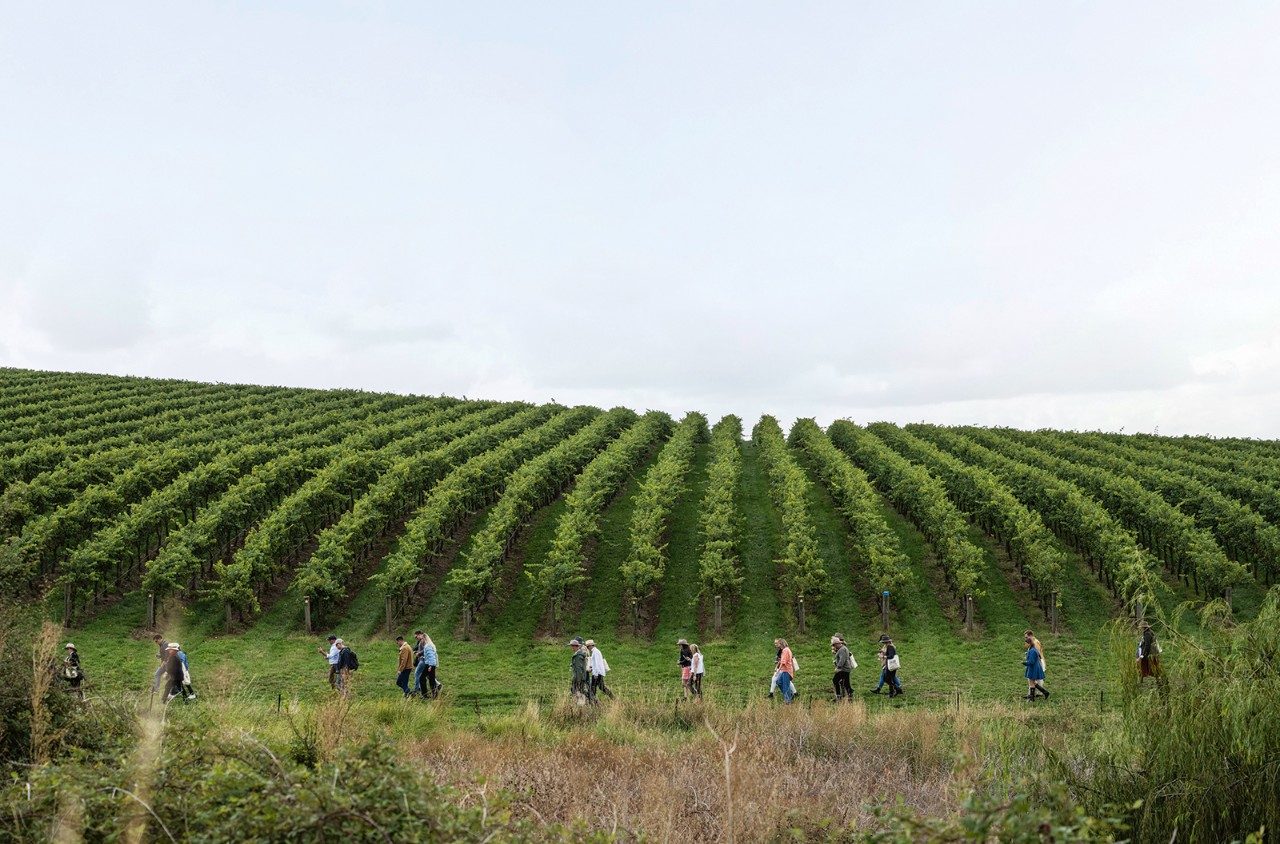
<point>72,672</point>
<point>580,684</point>
<point>348,663</point>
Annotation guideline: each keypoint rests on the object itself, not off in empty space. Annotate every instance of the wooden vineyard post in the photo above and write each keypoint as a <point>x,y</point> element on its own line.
<point>227,608</point>
<point>968,613</point>
<point>390,613</point>
<point>1139,611</point>
<point>151,610</point>
<point>66,605</point>
<point>884,611</point>
<point>1053,610</point>
<point>1226,596</point>
<point>800,614</point>
<point>555,617</point>
<point>306,613</point>
<point>635,617</point>
<point>718,605</point>
<point>466,620</point>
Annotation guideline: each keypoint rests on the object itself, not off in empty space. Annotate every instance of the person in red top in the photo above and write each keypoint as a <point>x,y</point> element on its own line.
<point>786,670</point>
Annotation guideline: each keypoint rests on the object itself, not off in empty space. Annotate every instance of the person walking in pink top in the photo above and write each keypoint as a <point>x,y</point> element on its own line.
<point>786,670</point>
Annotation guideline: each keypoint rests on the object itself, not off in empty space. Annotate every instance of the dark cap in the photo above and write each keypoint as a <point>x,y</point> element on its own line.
<point>332,638</point>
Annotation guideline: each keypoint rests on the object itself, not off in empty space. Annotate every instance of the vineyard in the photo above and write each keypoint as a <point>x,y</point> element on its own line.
<point>252,519</point>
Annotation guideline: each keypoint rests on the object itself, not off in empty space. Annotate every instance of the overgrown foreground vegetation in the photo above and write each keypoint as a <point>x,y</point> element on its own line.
<point>1195,756</point>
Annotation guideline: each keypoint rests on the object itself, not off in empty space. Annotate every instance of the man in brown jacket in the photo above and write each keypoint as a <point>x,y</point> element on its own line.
<point>405,666</point>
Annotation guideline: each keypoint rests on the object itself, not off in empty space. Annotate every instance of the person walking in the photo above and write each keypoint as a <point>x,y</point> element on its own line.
<point>598,667</point>
<point>891,665</point>
<point>884,672</point>
<point>697,669</point>
<point>72,672</point>
<point>580,684</point>
<point>685,661</point>
<point>188,691</point>
<point>404,666</point>
<point>1034,671</point>
<point>331,655</point>
<point>786,669</point>
<point>428,660</point>
<point>162,653</point>
<point>844,664</point>
<point>1044,668</point>
<point>1149,655</point>
<point>348,663</point>
<point>174,672</point>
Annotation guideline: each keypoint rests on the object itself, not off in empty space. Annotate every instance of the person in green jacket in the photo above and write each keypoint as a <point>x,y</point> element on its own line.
<point>581,675</point>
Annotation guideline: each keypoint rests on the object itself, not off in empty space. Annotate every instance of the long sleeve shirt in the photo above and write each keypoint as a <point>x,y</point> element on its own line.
<point>429,655</point>
<point>844,659</point>
<point>334,650</point>
<point>599,667</point>
<point>787,662</point>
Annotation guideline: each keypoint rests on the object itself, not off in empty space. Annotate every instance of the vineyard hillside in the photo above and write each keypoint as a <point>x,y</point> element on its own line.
<point>250,521</point>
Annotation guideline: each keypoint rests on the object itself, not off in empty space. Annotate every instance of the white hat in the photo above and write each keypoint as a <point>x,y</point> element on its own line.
<point>590,643</point>
<point>69,647</point>
<point>173,646</point>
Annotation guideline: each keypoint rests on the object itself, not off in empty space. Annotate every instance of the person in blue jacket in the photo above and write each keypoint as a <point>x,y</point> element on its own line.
<point>1034,670</point>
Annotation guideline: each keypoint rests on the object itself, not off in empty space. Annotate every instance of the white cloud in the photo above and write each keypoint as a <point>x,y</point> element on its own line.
<point>1008,214</point>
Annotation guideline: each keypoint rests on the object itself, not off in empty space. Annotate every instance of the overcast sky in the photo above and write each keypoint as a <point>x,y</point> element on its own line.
<point>1021,213</point>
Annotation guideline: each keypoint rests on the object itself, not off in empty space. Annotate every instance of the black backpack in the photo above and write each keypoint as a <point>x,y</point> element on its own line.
<point>353,661</point>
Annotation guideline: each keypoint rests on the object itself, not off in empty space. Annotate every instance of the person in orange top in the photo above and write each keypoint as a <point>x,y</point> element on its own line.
<point>786,670</point>
<point>405,666</point>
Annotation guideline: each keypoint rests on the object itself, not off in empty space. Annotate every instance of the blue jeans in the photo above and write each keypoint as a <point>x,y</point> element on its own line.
<point>402,680</point>
<point>884,678</point>
<point>784,684</point>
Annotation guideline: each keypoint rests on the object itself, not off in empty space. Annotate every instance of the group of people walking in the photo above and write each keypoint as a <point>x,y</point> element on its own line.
<point>174,671</point>
<point>418,664</point>
<point>588,668</point>
<point>415,667</point>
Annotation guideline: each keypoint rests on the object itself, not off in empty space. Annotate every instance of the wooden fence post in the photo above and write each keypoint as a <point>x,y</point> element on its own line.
<point>968,613</point>
<point>306,613</point>
<point>151,610</point>
<point>390,613</point>
<point>718,615</point>
<point>66,605</point>
<point>1053,610</point>
<point>466,620</point>
<point>1226,594</point>
<point>635,617</point>
<point>800,614</point>
<point>884,611</point>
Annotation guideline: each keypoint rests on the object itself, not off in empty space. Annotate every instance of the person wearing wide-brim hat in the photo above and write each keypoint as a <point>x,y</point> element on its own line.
<point>581,682</point>
<point>685,661</point>
<point>598,667</point>
<point>1148,653</point>
<point>173,671</point>
<point>71,670</point>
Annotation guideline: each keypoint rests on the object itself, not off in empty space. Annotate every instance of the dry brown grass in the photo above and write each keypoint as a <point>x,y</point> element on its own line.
<point>644,767</point>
